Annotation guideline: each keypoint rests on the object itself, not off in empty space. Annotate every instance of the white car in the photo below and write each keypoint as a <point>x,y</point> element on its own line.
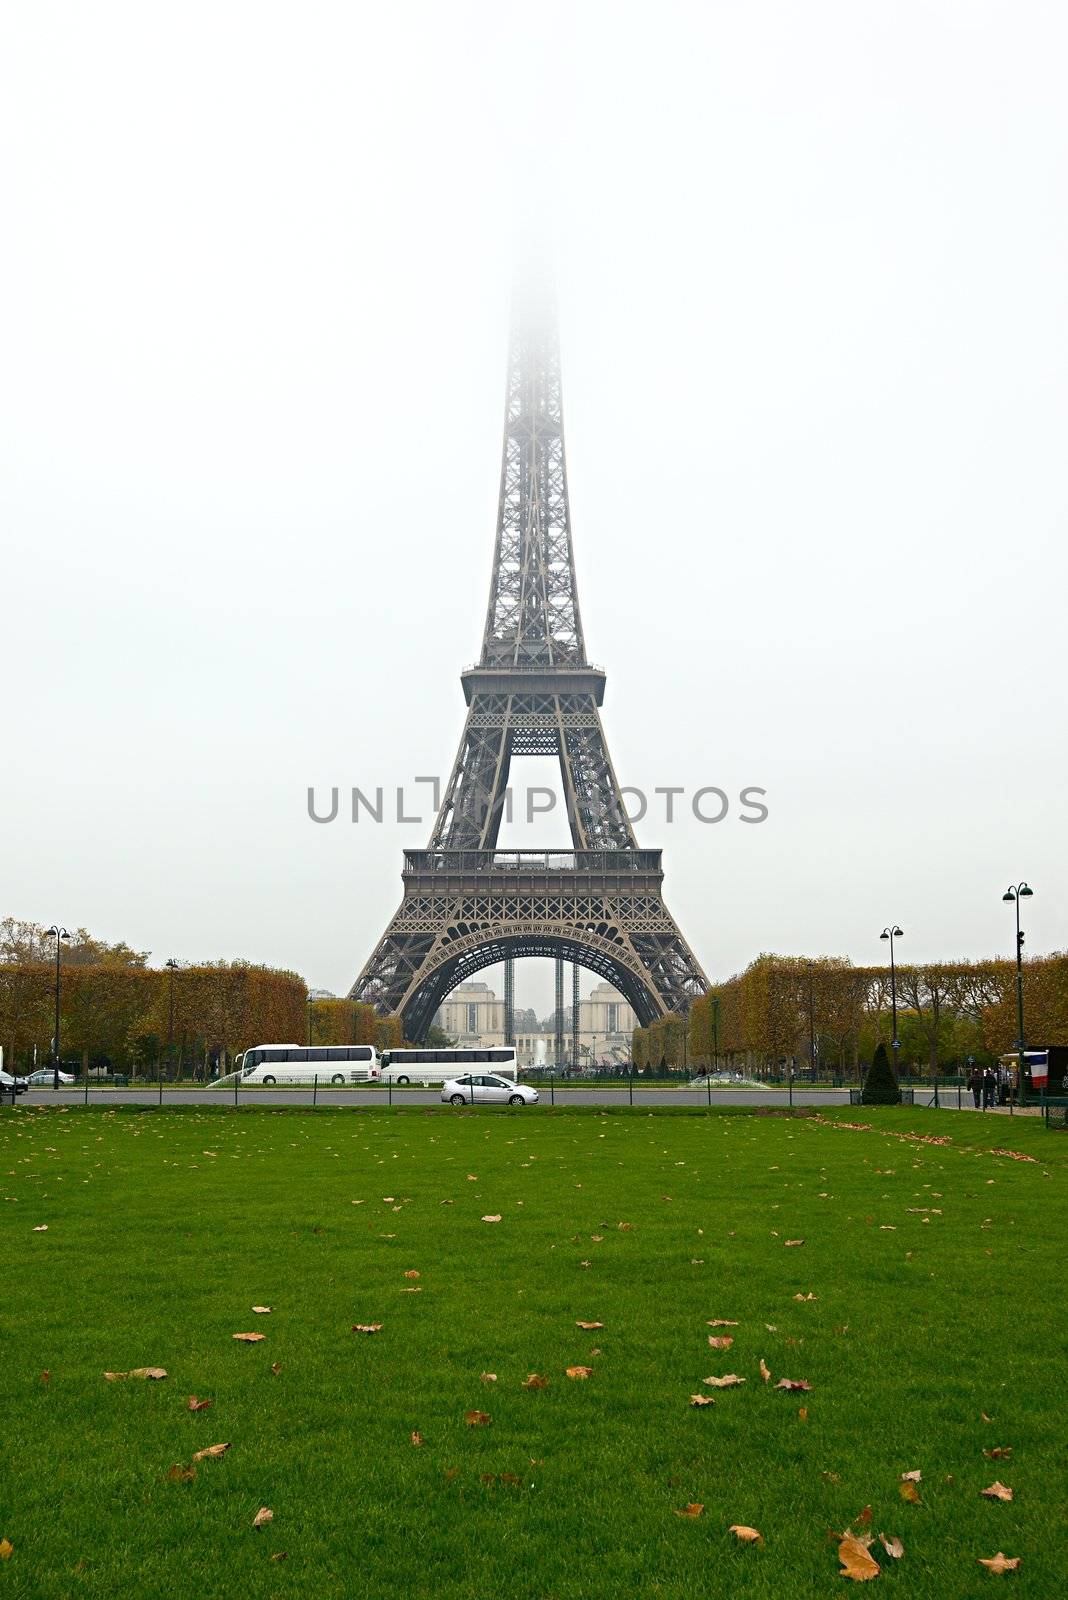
<point>7,1082</point>
<point>43,1078</point>
<point>484,1088</point>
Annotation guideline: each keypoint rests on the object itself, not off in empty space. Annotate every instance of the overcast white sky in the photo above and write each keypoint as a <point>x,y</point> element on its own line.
<point>812,270</point>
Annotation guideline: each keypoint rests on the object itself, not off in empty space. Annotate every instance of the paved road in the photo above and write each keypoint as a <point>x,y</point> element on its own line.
<point>593,1095</point>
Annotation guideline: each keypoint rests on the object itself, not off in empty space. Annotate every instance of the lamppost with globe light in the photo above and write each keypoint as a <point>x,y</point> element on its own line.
<point>893,932</point>
<point>171,967</point>
<point>58,934</point>
<point>1016,893</point>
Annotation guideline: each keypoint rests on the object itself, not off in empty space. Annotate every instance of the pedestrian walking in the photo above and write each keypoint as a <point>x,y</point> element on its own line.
<point>990,1084</point>
<point>975,1084</point>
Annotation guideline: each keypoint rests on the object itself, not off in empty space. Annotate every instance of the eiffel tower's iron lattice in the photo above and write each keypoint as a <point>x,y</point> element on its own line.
<point>466,904</point>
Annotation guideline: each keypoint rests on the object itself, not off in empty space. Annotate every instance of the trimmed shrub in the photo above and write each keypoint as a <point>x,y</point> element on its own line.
<point>881,1086</point>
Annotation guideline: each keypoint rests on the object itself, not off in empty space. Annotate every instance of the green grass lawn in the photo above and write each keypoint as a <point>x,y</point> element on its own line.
<point>938,1272</point>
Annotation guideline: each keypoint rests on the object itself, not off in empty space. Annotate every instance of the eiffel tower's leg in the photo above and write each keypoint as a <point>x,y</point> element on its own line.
<point>595,806</point>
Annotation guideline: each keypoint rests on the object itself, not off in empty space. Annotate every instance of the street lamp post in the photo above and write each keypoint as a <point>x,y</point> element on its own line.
<point>1016,893</point>
<point>715,1032</point>
<point>311,1002</point>
<point>811,1025</point>
<point>58,934</point>
<point>172,968</point>
<point>892,933</point>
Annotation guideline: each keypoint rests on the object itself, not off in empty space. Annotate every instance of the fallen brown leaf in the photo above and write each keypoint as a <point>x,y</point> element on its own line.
<point>694,1509</point>
<point>857,1561</point>
<point>892,1546</point>
<point>765,1370</point>
<point>912,1477</point>
<point>624,1227</point>
<point>589,1327</point>
<point>417,1437</point>
<point>477,1419</point>
<point>262,1311</point>
<point>211,1452</point>
<point>728,1381</point>
<point>181,1474</point>
<point>194,1404</point>
<point>275,1368</point>
<point>746,1535</point>
<point>788,1242</point>
<point>997,1491</point>
<point>46,1376</point>
<point>280,1555</point>
<point>863,1518</point>
<point>909,1492</point>
<point>7,1549</point>
<point>495,1217</point>
<point>580,1372</point>
<point>793,1383</point>
<point>413,1272</point>
<point>113,1377</point>
<point>250,1338</point>
<point>702,1400</point>
<point>42,1227</point>
<point>366,1327</point>
<point>999,1452</point>
<point>534,1380</point>
<point>722,1322</point>
<point>488,1377</point>
<point>809,1296</point>
<point>147,1372</point>
<point>802,1412</point>
<point>264,1514</point>
<point>1000,1563</point>
<point>720,1342</point>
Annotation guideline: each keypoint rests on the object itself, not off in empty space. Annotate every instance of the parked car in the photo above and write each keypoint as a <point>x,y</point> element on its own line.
<point>6,1082</point>
<point>487,1089</point>
<point>43,1078</point>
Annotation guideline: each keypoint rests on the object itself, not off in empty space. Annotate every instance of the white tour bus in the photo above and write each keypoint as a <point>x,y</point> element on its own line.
<point>291,1063</point>
<point>437,1066</point>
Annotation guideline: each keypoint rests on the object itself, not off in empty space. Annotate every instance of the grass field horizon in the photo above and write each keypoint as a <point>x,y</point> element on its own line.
<point>924,1296</point>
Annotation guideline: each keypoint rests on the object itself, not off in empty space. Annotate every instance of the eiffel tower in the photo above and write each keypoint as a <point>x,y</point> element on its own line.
<point>466,904</point>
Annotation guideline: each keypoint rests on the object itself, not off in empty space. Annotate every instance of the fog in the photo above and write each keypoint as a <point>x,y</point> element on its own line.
<point>810,265</point>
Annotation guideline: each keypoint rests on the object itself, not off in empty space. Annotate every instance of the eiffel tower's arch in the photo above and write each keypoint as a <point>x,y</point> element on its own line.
<point>456,966</point>
<point>466,904</point>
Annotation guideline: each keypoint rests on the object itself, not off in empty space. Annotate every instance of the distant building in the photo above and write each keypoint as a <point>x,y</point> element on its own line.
<point>474,1016</point>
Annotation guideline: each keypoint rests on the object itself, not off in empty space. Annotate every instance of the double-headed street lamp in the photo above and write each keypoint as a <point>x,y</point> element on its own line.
<point>1018,892</point>
<point>172,968</point>
<point>892,933</point>
<point>59,934</point>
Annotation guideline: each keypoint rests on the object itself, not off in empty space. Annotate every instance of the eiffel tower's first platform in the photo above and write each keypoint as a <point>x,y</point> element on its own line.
<point>466,904</point>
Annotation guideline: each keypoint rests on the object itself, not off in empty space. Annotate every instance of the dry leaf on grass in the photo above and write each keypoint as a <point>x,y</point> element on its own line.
<point>702,1400</point>
<point>746,1535</point>
<point>262,1311</point>
<point>863,1518</point>
<point>42,1227</point>
<point>534,1380</point>
<point>999,1563</point>
<point>488,1377</point>
<point>721,1322</point>
<point>788,1242</point>
<point>366,1327</point>
<point>997,1491</point>
<point>728,1381</point>
<point>912,1477</point>
<point>857,1561</point>
<point>264,1514</point>
<point>181,1474</point>
<point>7,1549</point>
<point>197,1405</point>
<point>809,1296</point>
<point>250,1338</point>
<point>580,1372</point>
<point>494,1217</point>
<point>212,1452</point>
<point>477,1419</point>
<point>140,1372</point>
<point>999,1452</point>
<point>802,1412</point>
<point>588,1327</point>
<point>765,1370</point>
<point>892,1546</point>
<point>793,1383</point>
<point>413,1272</point>
<point>275,1368</point>
<point>694,1509</point>
<point>720,1341</point>
<point>417,1437</point>
<point>279,1555</point>
<point>909,1492</point>
<point>46,1376</point>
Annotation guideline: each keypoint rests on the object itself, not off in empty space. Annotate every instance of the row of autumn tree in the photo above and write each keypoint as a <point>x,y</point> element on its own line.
<point>116,1010</point>
<point>779,1006</point>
